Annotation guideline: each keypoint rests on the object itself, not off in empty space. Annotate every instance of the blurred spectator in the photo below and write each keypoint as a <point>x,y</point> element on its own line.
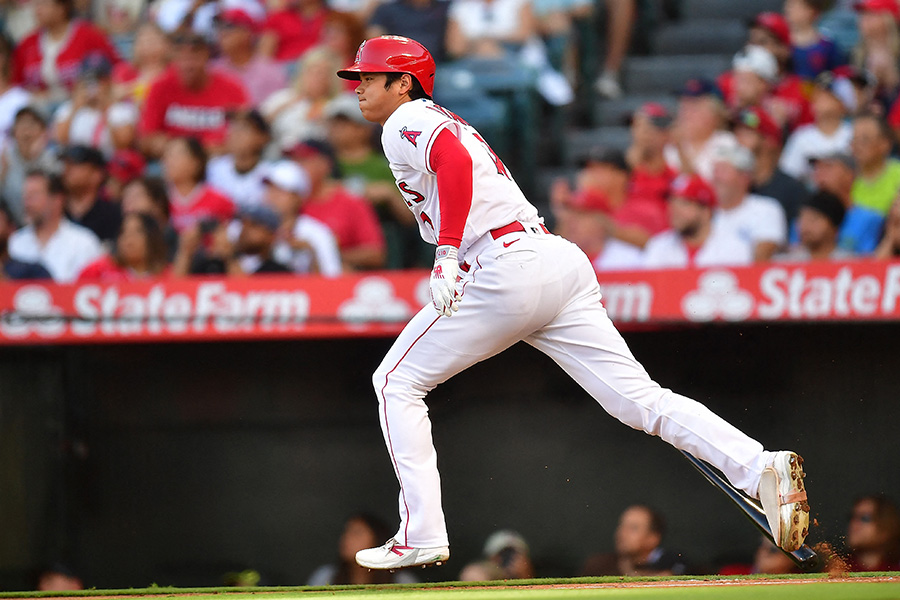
<point>18,20</point>
<point>9,267</point>
<point>644,212</point>
<point>873,535</point>
<point>361,530</point>
<point>422,20</point>
<point>58,578</point>
<point>556,26</point>
<point>585,219</point>
<point>365,172</point>
<point>878,51</point>
<point>755,71</point>
<point>152,53</point>
<point>506,556</point>
<point>878,174</point>
<point>343,33</point>
<point>237,30</point>
<point>601,180</point>
<point>124,167</point>
<point>28,149</point>
<point>758,220</point>
<point>489,28</point>
<point>698,133</point>
<point>756,131</point>
<point>832,99</point>
<point>239,174</point>
<point>694,239</point>
<point>351,218</point>
<point>12,97</point>
<point>638,543</point>
<point>305,244</point>
<point>620,22</point>
<point>47,61</point>
<point>818,224</point>
<point>191,200</point>
<point>148,195</point>
<point>139,252</point>
<point>769,559</point>
<point>181,15</point>
<point>812,53</point>
<point>84,171</point>
<point>786,101</point>
<point>88,118</point>
<point>120,19</point>
<point>293,28</point>
<point>889,247</point>
<point>50,239</point>
<point>189,100</point>
<point>296,113</point>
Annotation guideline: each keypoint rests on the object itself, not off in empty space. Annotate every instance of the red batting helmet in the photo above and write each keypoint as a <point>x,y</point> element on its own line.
<point>392,53</point>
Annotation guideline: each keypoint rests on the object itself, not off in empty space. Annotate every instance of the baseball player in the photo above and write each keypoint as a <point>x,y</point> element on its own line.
<point>500,277</point>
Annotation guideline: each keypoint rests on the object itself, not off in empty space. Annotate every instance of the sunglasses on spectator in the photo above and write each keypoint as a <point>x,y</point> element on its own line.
<point>862,517</point>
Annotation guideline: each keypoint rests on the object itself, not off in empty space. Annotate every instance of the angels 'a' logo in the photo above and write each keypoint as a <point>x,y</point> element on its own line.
<point>410,136</point>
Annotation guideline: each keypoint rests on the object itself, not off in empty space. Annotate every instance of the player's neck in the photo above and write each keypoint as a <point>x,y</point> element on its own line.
<point>401,101</point>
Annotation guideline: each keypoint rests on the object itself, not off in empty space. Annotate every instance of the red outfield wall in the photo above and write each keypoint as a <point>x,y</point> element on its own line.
<point>379,304</point>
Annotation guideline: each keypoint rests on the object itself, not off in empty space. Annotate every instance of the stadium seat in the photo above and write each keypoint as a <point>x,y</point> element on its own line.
<point>727,9</point>
<point>700,36</point>
<point>666,74</point>
<point>617,112</point>
<point>580,142</point>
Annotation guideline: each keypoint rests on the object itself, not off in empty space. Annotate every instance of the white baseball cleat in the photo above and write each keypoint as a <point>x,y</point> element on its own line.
<point>783,497</point>
<point>394,556</point>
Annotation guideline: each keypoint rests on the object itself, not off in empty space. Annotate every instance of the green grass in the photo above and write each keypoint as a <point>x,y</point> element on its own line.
<point>855,587</point>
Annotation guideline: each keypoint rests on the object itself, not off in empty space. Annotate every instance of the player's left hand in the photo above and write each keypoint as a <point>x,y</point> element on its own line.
<point>443,281</point>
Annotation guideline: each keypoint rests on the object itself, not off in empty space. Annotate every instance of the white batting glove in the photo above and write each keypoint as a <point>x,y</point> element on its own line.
<point>443,280</point>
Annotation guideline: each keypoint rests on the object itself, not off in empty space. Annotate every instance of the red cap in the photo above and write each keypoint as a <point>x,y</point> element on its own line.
<point>888,6</point>
<point>239,17</point>
<point>776,24</point>
<point>590,201</point>
<point>759,120</point>
<point>126,165</point>
<point>695,189</point>
<point>392,53</point>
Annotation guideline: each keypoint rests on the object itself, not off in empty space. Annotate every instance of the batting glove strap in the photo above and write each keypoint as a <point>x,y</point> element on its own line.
<point>443,280</point>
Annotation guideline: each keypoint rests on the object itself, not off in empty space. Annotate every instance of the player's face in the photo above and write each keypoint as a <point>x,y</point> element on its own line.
<point>377,103</point>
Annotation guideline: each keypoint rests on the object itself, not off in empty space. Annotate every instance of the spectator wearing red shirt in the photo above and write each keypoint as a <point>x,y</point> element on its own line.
<point>294,29</point>
<point>47,62</point>
<point>150,59</point>
<point>192,201</point>
<point>191,99</point>
<point>786,101</point>
<point>351,218</point>
<point>140,252</point>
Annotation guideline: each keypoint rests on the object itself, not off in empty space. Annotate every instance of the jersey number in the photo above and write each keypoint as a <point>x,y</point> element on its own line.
<point>501,168</point>
<point>416,196</point>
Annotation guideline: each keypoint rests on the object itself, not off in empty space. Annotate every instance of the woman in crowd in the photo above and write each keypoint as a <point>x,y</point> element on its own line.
<point>191,200</point>
<point>151,56</point>
<point>296,113</point>
<point>139,253</point>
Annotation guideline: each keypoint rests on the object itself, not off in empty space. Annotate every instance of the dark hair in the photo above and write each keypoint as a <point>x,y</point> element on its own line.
<point>380,533</point>
<point>30,111</point>
<point>69,6</point>
<point>887,518</point>
<point>819,5</point>
<point>55,186</point>
<point>415,93</point>
<point>157,251</point>
<point>198,153</point>
<point>156,189</point>
<point>253,118</point>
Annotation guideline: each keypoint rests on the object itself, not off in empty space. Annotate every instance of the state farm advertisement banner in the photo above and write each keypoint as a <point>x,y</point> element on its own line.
<point>380,304</point>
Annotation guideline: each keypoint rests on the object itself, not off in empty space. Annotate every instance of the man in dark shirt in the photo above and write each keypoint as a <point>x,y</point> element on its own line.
<point>9,267</point>
<point>83,176</point>
<point>756,130</point>
<point>422,20</point>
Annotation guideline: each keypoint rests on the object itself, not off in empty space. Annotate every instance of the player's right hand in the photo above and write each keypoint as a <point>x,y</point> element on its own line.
<point>443,281</point>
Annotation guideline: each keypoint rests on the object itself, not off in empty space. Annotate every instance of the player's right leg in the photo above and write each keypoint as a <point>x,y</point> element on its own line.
<point>585,343</point>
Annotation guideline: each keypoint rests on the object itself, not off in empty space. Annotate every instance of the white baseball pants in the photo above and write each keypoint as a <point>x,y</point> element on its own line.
<point>543,290</point>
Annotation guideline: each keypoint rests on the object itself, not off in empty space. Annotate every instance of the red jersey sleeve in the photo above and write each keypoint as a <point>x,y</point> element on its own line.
<point>153,114</point>
<point>453,166</point>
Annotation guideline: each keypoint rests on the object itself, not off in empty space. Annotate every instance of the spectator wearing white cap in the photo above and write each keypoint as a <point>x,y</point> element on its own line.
<point>305,244</point>
<point>758,220</point>
<point>506,556</point>
<point>694,239</point>
<point>237,32</point>
<point>239,173</point>
<point>755,72</point>
<point>833,98</point>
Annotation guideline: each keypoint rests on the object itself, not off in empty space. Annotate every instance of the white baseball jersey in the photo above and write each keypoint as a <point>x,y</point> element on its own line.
<point>522,284</point>
<point>407,138</point>
<point>667,250</point>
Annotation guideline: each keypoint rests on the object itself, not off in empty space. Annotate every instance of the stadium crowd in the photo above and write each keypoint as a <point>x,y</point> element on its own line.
<point>166,138</point>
